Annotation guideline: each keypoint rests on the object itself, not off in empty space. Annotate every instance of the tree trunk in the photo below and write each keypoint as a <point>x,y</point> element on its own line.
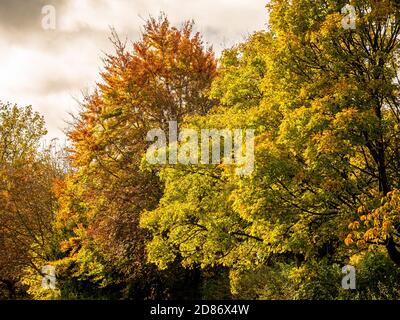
<point>393,252</point>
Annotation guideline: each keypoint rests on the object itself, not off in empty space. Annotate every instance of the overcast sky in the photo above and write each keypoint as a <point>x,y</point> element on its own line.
<point>48,69</point>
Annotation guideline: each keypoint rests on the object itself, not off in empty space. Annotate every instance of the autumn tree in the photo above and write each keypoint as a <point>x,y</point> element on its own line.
<point>351,108</point>
<point>323,100</point>
<point>27,201</point>
<point>165,76</point>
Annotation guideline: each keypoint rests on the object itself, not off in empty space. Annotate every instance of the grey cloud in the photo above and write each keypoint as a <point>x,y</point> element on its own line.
<point>25,15</point>
<point>70,58</point>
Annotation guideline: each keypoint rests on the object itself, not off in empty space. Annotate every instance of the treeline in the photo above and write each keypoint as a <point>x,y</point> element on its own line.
<point>324,103</point>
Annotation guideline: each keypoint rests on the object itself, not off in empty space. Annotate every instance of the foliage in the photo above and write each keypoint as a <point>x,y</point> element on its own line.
<point>323,102</point>
<point>164,77</point>
<point>27,200</point>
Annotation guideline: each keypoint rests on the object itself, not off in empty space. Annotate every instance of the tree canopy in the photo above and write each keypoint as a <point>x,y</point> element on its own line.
<point>323,102</point>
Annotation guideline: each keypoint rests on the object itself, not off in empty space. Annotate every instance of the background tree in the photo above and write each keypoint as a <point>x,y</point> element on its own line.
<point>27,201</point>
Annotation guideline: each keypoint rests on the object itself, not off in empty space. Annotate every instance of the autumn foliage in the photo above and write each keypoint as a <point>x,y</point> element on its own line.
<point>325,192</point>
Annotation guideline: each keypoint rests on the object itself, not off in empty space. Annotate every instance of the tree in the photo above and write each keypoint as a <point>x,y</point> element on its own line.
<point>27,201</point>
<point>352,84</point>
<point>324,103</point>
<point>165,77</point>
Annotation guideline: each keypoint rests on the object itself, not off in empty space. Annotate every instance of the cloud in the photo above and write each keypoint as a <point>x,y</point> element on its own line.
<point>25,15</point>
<point>49,68</point>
